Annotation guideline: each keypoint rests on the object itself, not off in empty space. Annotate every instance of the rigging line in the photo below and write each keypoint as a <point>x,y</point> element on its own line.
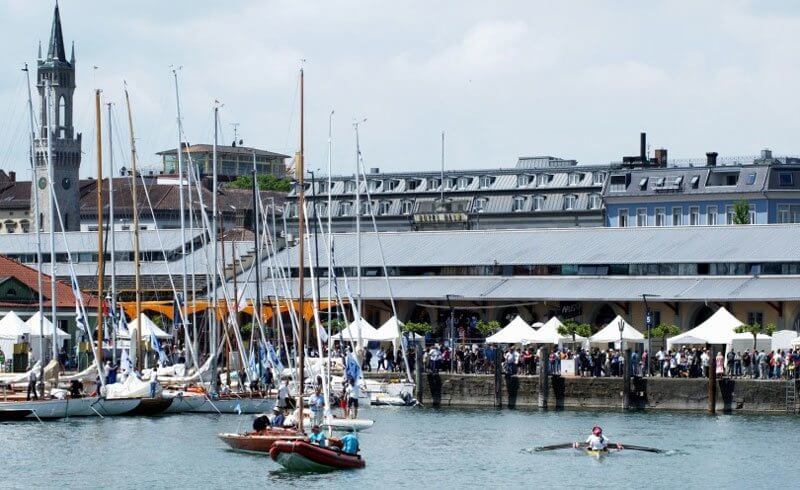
<point>292,109</point>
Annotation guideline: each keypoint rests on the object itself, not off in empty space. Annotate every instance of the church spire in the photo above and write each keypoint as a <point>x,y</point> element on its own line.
<point>40,51</point>
<point>72,56</point>
<point>56,50</point>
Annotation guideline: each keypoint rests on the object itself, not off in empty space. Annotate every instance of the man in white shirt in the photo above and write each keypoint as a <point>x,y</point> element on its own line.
<point>283,394</point>
<point>153,382</point>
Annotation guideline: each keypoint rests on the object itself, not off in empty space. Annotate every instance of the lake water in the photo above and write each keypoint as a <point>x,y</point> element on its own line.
<point>412,447</point>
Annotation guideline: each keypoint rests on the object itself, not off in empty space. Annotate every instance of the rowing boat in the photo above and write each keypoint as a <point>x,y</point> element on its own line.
<point>302,456</point>
<point>596,453</point>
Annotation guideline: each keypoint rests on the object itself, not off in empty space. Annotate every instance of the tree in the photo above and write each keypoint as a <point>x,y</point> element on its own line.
<point>487,328</point>
<point>418,328</point>
<point>335,324</point>
<point>741,212</point>
<point>755,329</point>
<point>574,329</point>
<point>245,329</point>
<point>663,330</point>
<point>266,182</point>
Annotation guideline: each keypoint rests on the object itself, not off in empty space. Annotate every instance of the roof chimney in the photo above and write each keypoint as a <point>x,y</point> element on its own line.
<point>12,176</point>
<point>643,147</point>
<point>766,154</point>
<point>374,170</point>
<point>661,157</point>
<point>711,159</point>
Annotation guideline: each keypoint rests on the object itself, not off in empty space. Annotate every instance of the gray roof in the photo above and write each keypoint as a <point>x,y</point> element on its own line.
<point>590,245</point>
<point>555,288</point>
<point>86,241</point>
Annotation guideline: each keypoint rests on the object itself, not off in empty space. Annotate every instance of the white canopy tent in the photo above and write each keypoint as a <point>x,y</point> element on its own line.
<point>548,334</point>
<point>781,339</point>
<point>47,327</point>
<point>391,330</point>
<point>351,334</point>
<point>11,329</point>
<point>719,329</point>
<point>516,332</point>
<point>147,326</point>
<point>611,333</point>
<point>796,343</point>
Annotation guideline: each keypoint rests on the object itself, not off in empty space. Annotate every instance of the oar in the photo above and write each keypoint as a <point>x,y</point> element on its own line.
<point>566,445</point>
<point>646,449</point>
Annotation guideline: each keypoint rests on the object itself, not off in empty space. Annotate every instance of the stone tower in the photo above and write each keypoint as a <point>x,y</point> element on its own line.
<point>65,144</point>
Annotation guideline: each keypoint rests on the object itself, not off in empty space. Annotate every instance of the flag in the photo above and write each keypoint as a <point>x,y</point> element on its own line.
<point>353,369</point>
<point>122,326</point>
<point>125,362</point>
<point>177,318</point>
<point>156,346</point>
<point>273,358</point>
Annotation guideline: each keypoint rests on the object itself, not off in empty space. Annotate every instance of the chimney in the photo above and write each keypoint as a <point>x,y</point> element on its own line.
<point>711,159</point>
<point>661,157</point>
<point>643,147</point>
<point>374,170</point>
<point>12,176</point>
<point>766,154</point>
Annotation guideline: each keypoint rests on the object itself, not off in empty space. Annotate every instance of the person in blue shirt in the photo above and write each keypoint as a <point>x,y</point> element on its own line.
<point>278,419</point>
<point>350,442</point>
<point>318,437</point>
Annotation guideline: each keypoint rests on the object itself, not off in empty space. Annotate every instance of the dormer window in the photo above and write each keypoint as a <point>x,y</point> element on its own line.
<point>598,178</point>
<point>463,183</point>
<point>407,207</point>
<point>695,181</point>
<point>785,179</point>
<point>384,207</point>
<point>350,186</point>
<point>522,180</point>
<point>570,202</point>
<point>449,183</point>
<point>519,204</point>
<point>434,184</point>
<point>345,208</point>
<point>485,181</point>
<point>643,183</point>
<point>366,208</point>
<point>546,179</point>
<point>322,208</point>
<point>412,184</point>
<point>575,178</point>
<point>594,201</point>
<point>374,185</point>
<point>538,203</point>
<point>390,184</point>
<point>678,180</point>
<point>660,182</point>
<point>479,205</point>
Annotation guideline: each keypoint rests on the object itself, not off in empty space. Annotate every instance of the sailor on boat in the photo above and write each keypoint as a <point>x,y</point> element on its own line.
<point>318,437</point>
<point>317,405</point>
<point>350,442</point>
<point>597,441</point>
<point>278,419</point>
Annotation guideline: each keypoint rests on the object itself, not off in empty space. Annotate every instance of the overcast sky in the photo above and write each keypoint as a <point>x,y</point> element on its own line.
<point>574,79</point>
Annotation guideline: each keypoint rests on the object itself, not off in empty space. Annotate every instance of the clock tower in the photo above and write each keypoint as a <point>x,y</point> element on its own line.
<point>58,73</point>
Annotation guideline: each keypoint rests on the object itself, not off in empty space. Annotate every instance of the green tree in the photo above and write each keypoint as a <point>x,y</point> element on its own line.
<point>662,331</point>
<point>755,329</point>
<point>574,329</point>
<point>418,328</point>
<point>266,182</point>
<point>336,325</point>
<point>487,328</point>
<point>245,329</point>
<point>741,212</point>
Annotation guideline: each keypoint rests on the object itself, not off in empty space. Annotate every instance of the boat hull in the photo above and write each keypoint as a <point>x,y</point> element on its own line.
<point>597,454</point>
<point>185,403</point>
<point>235,405</point>
<point>9,414</point>
<point>116,406</point>
<point>344,425</point>
<point>259,443</point>
<point>302,456</point>
<point>43,409</point>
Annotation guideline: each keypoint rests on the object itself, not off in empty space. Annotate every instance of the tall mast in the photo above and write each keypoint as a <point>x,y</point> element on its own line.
<point>37,220</point>
<point>358,242</point>
<point>100,252</point>
<point>52,208</point>
<point>300,233</point>
<point>182,204</point>
<point>442,177</point>
<point>136,265</point>
<point>214,259</point>
<point>113,303</point>
<point>329,250</point>
<point>257,308</point>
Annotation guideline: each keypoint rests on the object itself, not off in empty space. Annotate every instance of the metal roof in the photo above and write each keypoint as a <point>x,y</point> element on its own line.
<point>590,245</point>
<point>561,288</point>
<point>86,241</point>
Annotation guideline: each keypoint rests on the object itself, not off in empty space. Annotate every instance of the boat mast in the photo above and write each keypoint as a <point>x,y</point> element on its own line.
<point>358,246</point>
<point>182,204</point>
<point>134,343</point>
<point>52,208</point>
<point>100,251</point>
<point>38,223</point>
<point>113,297</point>
<point>214,251</point>
<point>329,250</point>
<point>257,308</point>
<point>301,263</point>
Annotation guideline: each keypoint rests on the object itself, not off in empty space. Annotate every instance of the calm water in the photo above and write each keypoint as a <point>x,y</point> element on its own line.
<point>410,447</point>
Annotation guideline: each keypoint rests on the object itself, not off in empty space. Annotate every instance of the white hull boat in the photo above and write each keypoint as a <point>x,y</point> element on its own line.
<point>183,402</point>
<point>235,405</point>
<point>343,425</point>
<point>43,409</point>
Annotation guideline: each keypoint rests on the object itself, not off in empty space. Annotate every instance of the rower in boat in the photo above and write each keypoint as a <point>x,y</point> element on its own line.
<point>350,442</point>
<point>597,441</point>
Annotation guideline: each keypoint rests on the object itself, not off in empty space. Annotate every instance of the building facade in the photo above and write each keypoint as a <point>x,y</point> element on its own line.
<point>232,161</point>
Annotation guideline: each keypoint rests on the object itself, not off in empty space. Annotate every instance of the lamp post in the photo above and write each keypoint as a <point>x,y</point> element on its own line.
<point>626,370</point>
<point>648,320</point>
<point>452,323</point>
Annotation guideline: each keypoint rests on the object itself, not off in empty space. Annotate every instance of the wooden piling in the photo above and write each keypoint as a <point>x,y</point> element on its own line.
<point>544,366</point>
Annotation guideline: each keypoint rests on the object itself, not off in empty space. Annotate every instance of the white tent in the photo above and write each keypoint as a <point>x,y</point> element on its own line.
<point>516,332</point>
<point>548,334</point>
<point>147,327</point>
<point>392,329</point>
<point>796,343</point>
<point>719,329</point>
<point>537,325</point>
<point>47,327</point>
<point>781,339</point>
<point>12,326</point>
<point>610,333</point>
<point>350,334</point>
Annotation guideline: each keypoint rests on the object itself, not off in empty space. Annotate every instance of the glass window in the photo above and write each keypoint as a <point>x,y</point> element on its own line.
<point>522,180</point>
<point>433,184</point>
<point>345,208</point>
<point>622,216</point>
<point>350,186</point>
<point>575,178</point>
<point>751,178</point>
<point>412,184</point>
<point>783,213</point>
<point>366,208</point>
<point>695,181</point>
<point>677,216</point>
<point>641,217</point>
<point>661,217</point>
<point>594,201</point>
<point>374,185</point>
<point>711,215</point>
<point>729,215</point>
<point>660,181</point>
<point>751,215</point>
<point>384,207</point>
<point>485,181</point>
<point>754,317</point>
<point>570,202</point>
<point>538,203</point>
<point>598,178</point>
<point>643,183</point>
<point>463,183</point>
<point>407,206</point>
<point>694,215</point>
<point>519,204</point>
<point>785,179</point>
<point>533,180</point>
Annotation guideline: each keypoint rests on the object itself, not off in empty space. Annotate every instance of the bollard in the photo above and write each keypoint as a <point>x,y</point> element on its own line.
<point>418,373</point>
<point>544,366</point>
<point>626,381</point>
<point>498,380</point>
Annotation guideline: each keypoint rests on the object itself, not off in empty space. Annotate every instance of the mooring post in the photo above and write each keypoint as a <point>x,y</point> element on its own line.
<point>626,381</point>
<point>498,380</point>
<point>544,367</point>
<point>418,373</point>
<point>712,383</point>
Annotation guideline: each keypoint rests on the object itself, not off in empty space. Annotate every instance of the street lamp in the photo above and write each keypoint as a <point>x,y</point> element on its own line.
<point>452,328</point>
<point>648,320</point>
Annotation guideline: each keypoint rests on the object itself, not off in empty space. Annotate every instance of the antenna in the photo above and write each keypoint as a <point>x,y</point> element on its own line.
<point>442,181</point>
<point>235,133</point>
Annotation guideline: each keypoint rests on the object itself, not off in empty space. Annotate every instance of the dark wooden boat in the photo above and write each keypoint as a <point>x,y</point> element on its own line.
<point>260,442</point>
<point>302,456</point>
<point>151,406</point>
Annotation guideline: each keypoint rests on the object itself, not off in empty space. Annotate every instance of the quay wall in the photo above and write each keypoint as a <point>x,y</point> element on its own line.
<point>733,395</point>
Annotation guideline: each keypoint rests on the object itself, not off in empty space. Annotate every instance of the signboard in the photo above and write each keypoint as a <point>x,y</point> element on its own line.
<point>648,319</point>
<point>440,218</point>
<point>570,309</point>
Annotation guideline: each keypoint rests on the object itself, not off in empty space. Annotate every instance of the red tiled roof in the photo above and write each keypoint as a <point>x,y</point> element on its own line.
<point>29,276</point>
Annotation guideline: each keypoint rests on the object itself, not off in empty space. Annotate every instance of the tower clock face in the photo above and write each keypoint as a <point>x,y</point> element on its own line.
<point>66,183</point>
<point>42,183</point>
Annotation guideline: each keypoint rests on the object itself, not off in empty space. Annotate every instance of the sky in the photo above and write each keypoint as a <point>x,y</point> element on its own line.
<point>502,79</point>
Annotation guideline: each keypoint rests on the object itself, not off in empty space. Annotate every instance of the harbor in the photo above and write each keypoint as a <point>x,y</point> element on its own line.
<point>222,272</point>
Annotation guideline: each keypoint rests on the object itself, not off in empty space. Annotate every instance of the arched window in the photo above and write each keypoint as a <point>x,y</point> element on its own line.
<point>11,226</point>
<point>25,225</point>
<point>62,116</point>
